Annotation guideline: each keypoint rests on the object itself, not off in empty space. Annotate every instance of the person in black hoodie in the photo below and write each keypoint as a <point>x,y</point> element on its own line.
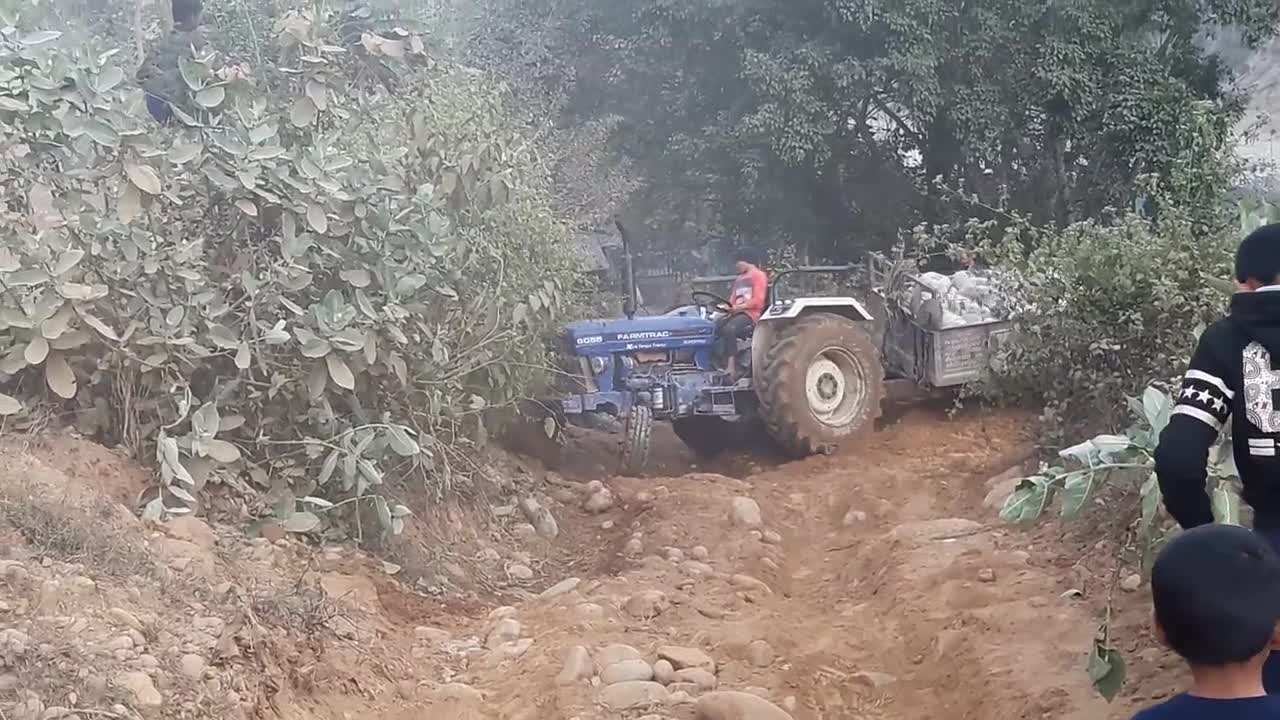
<point>160,74</point>
<point>1233,376</point>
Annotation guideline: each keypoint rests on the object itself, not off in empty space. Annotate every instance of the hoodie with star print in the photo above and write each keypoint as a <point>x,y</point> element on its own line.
<point>1233,376</point>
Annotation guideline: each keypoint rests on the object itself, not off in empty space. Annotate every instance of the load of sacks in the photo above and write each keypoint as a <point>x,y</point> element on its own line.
<point>966,297</point>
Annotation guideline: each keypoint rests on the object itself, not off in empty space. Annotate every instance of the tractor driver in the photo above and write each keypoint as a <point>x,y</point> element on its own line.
<point>746,304</point>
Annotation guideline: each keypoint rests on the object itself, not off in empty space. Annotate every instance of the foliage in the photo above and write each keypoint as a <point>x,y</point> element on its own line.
<point>1100,307</point>
<point>823,124</point>
<point>1126,461</point>
<point>315,278</point>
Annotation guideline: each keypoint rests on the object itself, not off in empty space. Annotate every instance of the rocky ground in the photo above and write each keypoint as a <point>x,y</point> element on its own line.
<point>872,584</point>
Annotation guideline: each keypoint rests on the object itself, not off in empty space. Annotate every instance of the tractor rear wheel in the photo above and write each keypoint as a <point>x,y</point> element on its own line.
<point>705,435</point>
<point>636,432</point>
<point>822,382</point>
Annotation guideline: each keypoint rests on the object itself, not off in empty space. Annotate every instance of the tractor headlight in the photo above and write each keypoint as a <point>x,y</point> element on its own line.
<point>597,365</point>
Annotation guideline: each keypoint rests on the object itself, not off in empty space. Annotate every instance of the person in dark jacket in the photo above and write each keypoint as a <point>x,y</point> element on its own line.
<point>160,74</point>
<point>1233,377</point>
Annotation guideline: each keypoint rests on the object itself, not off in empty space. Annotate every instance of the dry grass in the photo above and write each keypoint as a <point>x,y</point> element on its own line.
<point>62,524</point>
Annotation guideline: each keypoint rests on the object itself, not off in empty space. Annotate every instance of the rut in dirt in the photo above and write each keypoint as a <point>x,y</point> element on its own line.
<point>899,595</point>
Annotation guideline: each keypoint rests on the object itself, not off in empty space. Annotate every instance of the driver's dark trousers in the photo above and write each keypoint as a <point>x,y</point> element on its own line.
<point>732,328</point>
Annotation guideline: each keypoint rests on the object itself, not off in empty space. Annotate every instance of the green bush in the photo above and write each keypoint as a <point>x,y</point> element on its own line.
<point>321,276</point>
<point>1101,307</point>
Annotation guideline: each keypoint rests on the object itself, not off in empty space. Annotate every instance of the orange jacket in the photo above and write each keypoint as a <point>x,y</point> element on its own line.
<point>748,293</point>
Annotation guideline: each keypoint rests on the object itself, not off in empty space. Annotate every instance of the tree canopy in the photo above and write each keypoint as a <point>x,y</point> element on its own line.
<point>829,123</point>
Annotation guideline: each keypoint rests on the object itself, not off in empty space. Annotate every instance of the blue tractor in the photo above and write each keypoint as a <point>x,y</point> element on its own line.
<point>812,374</point>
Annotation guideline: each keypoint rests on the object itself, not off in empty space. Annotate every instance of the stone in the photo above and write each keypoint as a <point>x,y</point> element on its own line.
<point>563,587</point>
<point>576,667</point>
<point>986,575</point>
<point>698,677</point>
<point>589,612</point>
<point>1131,583</point>
<point>746,582</point>
<point>737,706</point>
<point>633,695</point>
<point>744,512</point>
<point>626,671</point>
<point>611,654</point>
<point>679,698</point>
<point>516,571</point>
<point>699,553</point>
<point>647,604</point>
<point>140,686</point>
<point>771,537</point>
<point>664,672</point>
<point>599,502</point>
<point>854,517</point>
<point>192,666</point>
<point>696,568</point>
<point>511,650</point>
<point>120,642</point>
<point>540,518</point>
<point>674,554</point>
<point>760,653</point>
<point>457,692</point>
<point>524,532</point>
<point>633,547</point>
<point>191,529</point>
<point>431,636</point>
<point>874,680</point>
<point>685,657</point>
<point>504,631</point>
<point>124,617</point>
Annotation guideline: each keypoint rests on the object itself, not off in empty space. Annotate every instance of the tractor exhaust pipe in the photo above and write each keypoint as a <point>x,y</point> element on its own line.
<point>629,302</point>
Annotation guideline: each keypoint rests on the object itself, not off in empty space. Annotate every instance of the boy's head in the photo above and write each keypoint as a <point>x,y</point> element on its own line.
<point>1258,258</point>
<point>744,258</point>
<point>186,14</point>
<point>1216,592</point>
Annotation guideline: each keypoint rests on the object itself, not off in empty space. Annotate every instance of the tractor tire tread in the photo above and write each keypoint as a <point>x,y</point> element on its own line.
<point>637,432</point>
<point>781,390</point>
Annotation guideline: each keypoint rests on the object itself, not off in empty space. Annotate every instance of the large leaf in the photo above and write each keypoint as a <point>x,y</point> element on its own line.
<point>223,451</point>
<point>1106,670</point>
<point>9,405</point>
<point>211,97</point>
<point>143,177</point>
<point>1156,407</point>
<point>1226,504</point>
<point>303,112</point>
<point>340,372</point>
<point>1027,503</point>
<point>301,522</point>
<point>1076,491</point>
<point>59,376</point>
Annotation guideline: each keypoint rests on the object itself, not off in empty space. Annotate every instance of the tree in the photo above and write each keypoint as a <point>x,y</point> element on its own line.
<point>827,122</point>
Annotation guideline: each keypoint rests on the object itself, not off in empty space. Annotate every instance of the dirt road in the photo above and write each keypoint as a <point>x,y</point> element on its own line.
<point>870,584</point>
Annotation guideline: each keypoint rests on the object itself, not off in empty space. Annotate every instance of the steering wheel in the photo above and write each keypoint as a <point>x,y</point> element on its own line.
<point>710,300</point>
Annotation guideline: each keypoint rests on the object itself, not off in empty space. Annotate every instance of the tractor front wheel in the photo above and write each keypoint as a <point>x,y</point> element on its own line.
<point>636,432</point>
<point>822,382</point>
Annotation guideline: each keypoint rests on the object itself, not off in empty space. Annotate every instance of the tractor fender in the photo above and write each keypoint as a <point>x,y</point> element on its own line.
<point>780,314</point>
<point>791,309</point>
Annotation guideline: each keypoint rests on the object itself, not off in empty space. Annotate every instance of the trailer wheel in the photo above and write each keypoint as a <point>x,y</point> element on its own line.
<point>822,382</point>
<point>636,433</point>
<point>706,435</point>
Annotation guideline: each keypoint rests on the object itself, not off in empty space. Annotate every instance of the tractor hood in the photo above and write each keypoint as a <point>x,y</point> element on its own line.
<point>601,337</point>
